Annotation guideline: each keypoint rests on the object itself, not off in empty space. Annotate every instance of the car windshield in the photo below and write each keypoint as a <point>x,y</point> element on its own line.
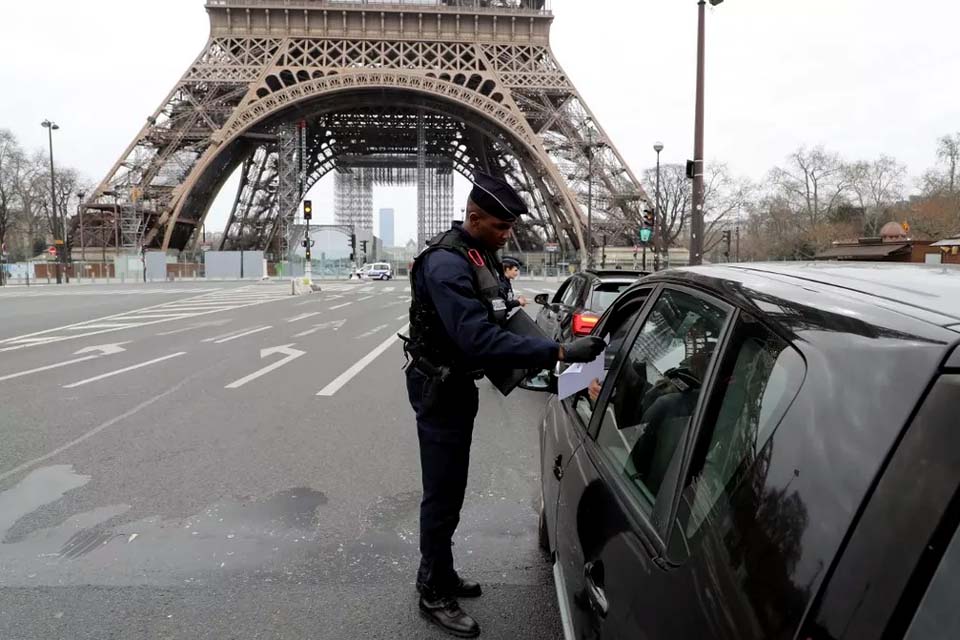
<point>605,294</point>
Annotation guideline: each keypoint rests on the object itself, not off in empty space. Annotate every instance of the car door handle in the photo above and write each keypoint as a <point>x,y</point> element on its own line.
<point>558,467</point>
<point>593,573</point>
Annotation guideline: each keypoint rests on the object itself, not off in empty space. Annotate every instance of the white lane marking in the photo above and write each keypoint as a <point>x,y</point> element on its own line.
<point>403,317</point>
<point>89,434</point>
<point>104,349</point>
<point>365,298</point>
<point>124,370</point>
<point>341,306</point>
<point>46,368</point>
<point>302,316</point>
<point>334,324</point>
<point>145,316</point>
<point>85,322</point>
<point>388,289</point>
<point>350,373</point>
<point>371,332</point>
<point>333,298</point>
<point>198,325</point>
<point>292,354</point>
<point>242,335</point>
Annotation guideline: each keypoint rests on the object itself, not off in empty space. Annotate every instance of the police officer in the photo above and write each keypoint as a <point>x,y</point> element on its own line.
<point>511,271</point>
<point>456,331</point>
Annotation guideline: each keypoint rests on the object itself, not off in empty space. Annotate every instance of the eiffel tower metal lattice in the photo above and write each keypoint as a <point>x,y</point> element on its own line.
<point>405,85</point>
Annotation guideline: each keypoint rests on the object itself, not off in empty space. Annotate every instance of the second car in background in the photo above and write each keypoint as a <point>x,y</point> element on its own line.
<point>581,300</point>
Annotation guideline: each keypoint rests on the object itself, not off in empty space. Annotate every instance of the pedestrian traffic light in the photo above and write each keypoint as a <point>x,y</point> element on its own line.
<point>307,210</point>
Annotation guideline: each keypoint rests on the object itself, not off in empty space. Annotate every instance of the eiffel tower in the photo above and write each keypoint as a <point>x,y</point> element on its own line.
<point>378,92</point>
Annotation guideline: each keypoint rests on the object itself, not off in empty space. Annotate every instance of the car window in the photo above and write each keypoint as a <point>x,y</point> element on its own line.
<point>657,389</point>
<point>572,293</point>
<point>562,291</point>
<point>938,616</point>
<point>759,376</point>
<point>615,330</point>
<point>604,295</point>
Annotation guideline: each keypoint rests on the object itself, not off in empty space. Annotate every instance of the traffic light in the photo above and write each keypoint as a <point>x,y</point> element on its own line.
<point>726,241</point>
<point>307,210</point>
<point>353,245</point>
<point>647,223</point>
<point>363,246</point>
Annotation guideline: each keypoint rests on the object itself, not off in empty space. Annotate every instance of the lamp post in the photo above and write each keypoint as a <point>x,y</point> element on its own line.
<point>657,223</point>
<point>83,250</point>
<point>57,227</point>
<point>696,215</point>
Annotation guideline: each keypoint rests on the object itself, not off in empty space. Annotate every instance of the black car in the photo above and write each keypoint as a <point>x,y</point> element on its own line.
<point>580,301</point>
<point>774,452</point>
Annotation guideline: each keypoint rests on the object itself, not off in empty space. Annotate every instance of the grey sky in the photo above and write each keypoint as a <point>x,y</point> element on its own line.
<point>862,77</point>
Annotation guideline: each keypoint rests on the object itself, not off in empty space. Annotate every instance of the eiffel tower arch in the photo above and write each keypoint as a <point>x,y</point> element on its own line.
<point>411,90</point>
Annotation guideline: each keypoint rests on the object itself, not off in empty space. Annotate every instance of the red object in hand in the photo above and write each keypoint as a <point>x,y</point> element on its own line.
<point>583,323</point>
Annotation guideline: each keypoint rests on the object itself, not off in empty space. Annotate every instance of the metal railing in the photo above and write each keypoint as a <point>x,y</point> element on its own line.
<point>538,7</point>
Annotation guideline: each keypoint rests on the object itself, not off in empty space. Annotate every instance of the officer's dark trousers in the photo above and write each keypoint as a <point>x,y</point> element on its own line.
<point>445,418</point>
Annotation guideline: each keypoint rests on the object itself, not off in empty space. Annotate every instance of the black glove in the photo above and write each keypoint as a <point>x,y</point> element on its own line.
<point>583,349</point>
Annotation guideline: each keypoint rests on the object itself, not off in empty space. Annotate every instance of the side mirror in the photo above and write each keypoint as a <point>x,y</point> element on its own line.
<point>541,382</point>
<point>541,299</point>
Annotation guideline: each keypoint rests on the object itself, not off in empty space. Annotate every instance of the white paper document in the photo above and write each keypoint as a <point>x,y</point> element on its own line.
<point>579,376</point>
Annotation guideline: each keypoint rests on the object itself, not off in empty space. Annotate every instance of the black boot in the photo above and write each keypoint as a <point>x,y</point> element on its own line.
<point>464,588</point>
<point>445,612</point>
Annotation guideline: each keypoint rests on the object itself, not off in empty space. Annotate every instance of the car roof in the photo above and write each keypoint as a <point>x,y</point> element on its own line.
<point>921,289</point>
<point>888,295</point>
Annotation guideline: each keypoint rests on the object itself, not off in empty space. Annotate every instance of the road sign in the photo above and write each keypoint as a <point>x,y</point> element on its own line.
<point>52,251</point>
<point>551,247</point>
<point>58,242</point>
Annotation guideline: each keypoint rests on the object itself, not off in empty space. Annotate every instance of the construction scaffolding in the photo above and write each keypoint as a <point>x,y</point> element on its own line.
<point>433,177</point>
<point>353,198</point>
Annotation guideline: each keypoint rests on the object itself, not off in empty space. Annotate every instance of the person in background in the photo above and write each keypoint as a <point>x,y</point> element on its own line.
<point>511,271</point>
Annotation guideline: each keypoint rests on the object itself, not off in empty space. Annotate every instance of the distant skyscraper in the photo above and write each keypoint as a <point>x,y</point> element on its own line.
<point>386,227</point>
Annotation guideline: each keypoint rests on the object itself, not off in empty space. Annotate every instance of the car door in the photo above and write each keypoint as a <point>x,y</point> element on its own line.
<point>617,492</point>
<point>551,315</point>
<point>566,421</point>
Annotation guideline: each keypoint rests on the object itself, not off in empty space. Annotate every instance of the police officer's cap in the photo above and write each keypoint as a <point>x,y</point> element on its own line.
<point>497,198</point>
<point>510,262</point>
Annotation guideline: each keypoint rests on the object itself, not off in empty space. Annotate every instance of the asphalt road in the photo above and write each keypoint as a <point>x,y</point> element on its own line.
<point>153,485</point>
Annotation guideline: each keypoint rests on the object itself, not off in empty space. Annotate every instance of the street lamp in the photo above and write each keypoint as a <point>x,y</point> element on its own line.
<point>696,218</point>
<point>57,228</point>
<point>83,250</point>
<point>657,223</point>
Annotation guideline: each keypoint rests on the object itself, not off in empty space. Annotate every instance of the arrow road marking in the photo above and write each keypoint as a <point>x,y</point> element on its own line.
<point>334,324</point>
<point>124,370</point>
<point>302,316</point>
<point>105,350</point>
<point>350,373</point>
<point>292,354</point>
<point>371,332</point>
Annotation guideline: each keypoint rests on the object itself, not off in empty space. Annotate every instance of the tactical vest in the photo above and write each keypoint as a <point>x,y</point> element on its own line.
<point>426,328</point>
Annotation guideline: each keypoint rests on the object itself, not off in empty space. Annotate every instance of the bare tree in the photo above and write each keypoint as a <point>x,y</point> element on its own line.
<point>948,152</point>
<point>813,183</point>
<point>724,197</point>
<point>875,187</point>
<point>675,200</point>
<point>9,149</point>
